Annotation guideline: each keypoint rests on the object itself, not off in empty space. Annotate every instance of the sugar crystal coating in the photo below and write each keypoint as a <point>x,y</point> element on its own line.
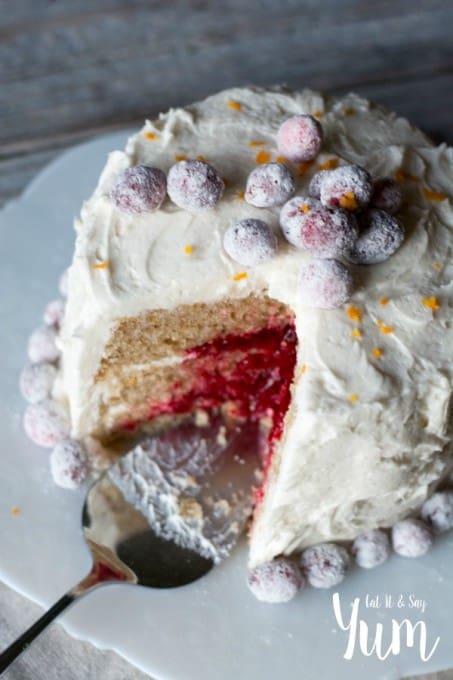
<point>387,195</point>
<point>276,581</point>
<point>68,464</point>
<point>45,424</point>
<point>250,242</point>
<point>268,185</point>
<point>194,184</point>
<point>36,381</point>
<point>139,189</point>
<point>371,548</point>
<point>54,313</point>
<point>326,284</point>
<point>42,345</point>
<point>324,232</point>
<point>437,511</point>
<point>380,236</point>
<point>300,138</point>
<point>411,537</point>
<point>325,565</point>
<point>348,187</point>
<point>314,188</point>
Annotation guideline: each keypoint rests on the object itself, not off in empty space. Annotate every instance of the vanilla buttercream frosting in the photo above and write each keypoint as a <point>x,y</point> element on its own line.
<point>366,437</point>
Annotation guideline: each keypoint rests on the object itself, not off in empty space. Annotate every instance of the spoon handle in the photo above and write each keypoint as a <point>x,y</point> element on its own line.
<point>101,572</point>
<point>22,642</point>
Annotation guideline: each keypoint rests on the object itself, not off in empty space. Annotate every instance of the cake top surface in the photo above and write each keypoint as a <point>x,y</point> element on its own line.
<point>377,363</point>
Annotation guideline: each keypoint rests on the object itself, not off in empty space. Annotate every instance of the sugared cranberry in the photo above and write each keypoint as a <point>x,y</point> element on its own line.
<point>194,185</point>
<point>325,565</point>
<point>68,464</point>
<point>139,189</point>
<point>325,283</point>
<point>36,381</point>
<point>380,236</point>
<point>268,185</point>
<point>276,581</point>
<point>63,283</point>
<point>437,511</point>
<point>348,187</point>
<point>54,313</point>
<point>411,538</point>
<point>387,195</point>
<point>250,242</point>
<point>324,232</point>
<point>314,188</point>
<point>42,345</point>
<point>45,424</point>
<point>300,138</point>
<point>371,548</point>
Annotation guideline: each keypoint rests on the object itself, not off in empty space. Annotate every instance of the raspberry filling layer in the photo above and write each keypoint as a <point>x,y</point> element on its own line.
<point>252,373</point>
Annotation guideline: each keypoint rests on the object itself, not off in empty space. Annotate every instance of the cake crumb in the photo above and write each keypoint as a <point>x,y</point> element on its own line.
<point>15,511</point>
<point>190,508</point>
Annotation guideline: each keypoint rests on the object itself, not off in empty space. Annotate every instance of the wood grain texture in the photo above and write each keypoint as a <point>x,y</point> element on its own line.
<point>70,69</point>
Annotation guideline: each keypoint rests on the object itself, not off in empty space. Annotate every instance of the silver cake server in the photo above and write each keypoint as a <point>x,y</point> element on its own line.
<point>164,514</point>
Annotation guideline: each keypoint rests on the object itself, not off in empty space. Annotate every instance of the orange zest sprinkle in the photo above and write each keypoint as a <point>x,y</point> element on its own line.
<point>377,352</point>
<point>318,114</point>
<point>180,157</point>
<point>239,276</point>
<point>330,164</point>
<point>15,511</point>
<point>305,208</point>
<point>431,303</point>
<point>433,195</point>
<point>348,201</point>
<point>151,136</point>
<point>356,333</point>
<point>101,265</point>
<point>188,250</point>
<point>303,167</point>
<point>437,266</point>
<point>240,195</point>
<point>386,330</point>
<point>384,301</point>
<point>354,313</point>
<point>236,106</point>
<point>281,159</point>
<point>353,398</point>
<point>303,368</point>
<point>402,174</point>
<point>201,158</point>
<point>348,111</point>
<point>262,156</point>
<point>256,142</point>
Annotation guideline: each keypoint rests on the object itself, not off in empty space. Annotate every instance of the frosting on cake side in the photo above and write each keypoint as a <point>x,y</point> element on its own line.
<point>366,435</point>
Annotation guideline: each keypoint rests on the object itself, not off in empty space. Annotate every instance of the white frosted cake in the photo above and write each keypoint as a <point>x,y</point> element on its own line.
<point>173,309</point>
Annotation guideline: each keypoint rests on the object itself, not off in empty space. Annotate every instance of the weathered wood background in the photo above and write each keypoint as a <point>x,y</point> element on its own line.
<point>72,68</point>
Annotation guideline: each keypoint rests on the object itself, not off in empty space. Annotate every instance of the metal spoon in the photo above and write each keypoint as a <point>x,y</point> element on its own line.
<point>129,520</point>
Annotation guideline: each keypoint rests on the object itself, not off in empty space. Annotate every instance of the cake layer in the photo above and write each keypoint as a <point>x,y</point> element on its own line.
<point>366,437</point>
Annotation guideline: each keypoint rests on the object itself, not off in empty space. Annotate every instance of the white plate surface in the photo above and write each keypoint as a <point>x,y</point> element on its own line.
<point>211,630</point>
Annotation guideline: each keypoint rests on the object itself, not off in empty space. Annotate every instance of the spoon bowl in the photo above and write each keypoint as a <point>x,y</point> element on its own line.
<point>165,513</point>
